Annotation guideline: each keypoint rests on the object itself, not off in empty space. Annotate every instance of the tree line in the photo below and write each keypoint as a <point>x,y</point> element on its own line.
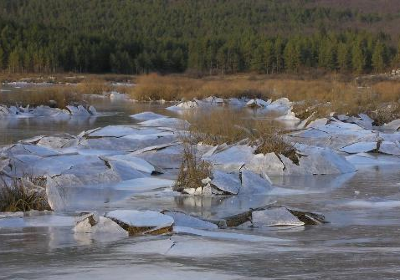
<point>209,36</point>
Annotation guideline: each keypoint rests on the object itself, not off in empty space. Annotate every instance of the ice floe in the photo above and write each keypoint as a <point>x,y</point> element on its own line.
<point>142,222</point>
<point>146,116</point>
<point>46,111</point>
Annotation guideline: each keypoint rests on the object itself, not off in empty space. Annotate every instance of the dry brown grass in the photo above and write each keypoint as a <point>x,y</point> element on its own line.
<point>230,127</point>
<point>172,88</point>
<point>322,96</point>
<point>61,95</point>
<point>56,96</point>
<point>63,78</point>
<point>192,170</point>
<point>93,86</point>
<point>23,194</point>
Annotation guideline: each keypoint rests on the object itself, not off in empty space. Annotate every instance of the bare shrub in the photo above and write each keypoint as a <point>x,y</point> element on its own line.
<point>23,194</point>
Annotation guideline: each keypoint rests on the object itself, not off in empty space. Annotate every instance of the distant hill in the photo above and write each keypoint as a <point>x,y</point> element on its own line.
<point>213,36</point>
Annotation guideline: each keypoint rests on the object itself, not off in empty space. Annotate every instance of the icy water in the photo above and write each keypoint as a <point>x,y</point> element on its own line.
<point>116,112</point>
<point>360,242</point>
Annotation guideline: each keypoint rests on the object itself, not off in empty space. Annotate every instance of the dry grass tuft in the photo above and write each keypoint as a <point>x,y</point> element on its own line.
<point>23,194</point>
<point>93,86</point>
<point>230,127</point>
<point>192,170</point>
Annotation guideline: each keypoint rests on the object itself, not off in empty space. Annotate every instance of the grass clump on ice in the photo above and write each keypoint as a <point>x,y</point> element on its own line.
<point>231,127</point>
<point>192,170</point>
<point>23,194</point>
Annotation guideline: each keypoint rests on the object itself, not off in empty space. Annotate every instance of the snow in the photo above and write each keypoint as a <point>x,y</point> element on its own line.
<point>141,218</point>
<point>102,225</point>
<point>184,106</point>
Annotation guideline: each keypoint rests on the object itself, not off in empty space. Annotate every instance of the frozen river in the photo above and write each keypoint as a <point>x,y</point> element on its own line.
<point>361,240</point>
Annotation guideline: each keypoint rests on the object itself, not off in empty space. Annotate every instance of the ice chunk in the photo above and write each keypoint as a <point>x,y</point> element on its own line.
<point>233,158</point>
<point>134,162</point>
<point>144,184</point>
<point>184,106</point>
<point>92,223</point>
<point>78,111</point>
<point>226,235</point>
<point>393,125</point>
<point>360,147</point>
<point>145,116</point>
<point>282,106</point>
<point>253,183</point>
<point>136,222</point>
<point>317,161</point>
<point>228,183</point>
<point>166,122</point>
<point>390,148</point>
<point>54,198</point>
<point>185,220</point>
<point>268,164</point>
<point>113,131</point>
<point>258,103</point>
<point>276,216</point>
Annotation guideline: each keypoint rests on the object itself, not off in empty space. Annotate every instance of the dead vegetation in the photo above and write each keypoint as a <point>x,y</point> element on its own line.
<point>23,194</point>
<point>93,86</point>
<point>192,170</point>
<point>53,96</point>
<point>320,96</point>
<point>226,126</point>
<point>60,95</point>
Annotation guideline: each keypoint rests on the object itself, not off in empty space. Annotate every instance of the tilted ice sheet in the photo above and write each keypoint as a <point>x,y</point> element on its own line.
<point>141,218</point>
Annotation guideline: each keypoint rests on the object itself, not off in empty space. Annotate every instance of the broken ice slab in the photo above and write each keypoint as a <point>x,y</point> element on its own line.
<point>360,147</point>
<point>278,216</point>
<point>145,116</point>
<point>225,182</point>
<point>185,220</point>
<point>166,122</point>
<point>142,222</point>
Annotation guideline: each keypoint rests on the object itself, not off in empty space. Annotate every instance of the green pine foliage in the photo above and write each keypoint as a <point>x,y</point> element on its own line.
<point>208,36</point>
